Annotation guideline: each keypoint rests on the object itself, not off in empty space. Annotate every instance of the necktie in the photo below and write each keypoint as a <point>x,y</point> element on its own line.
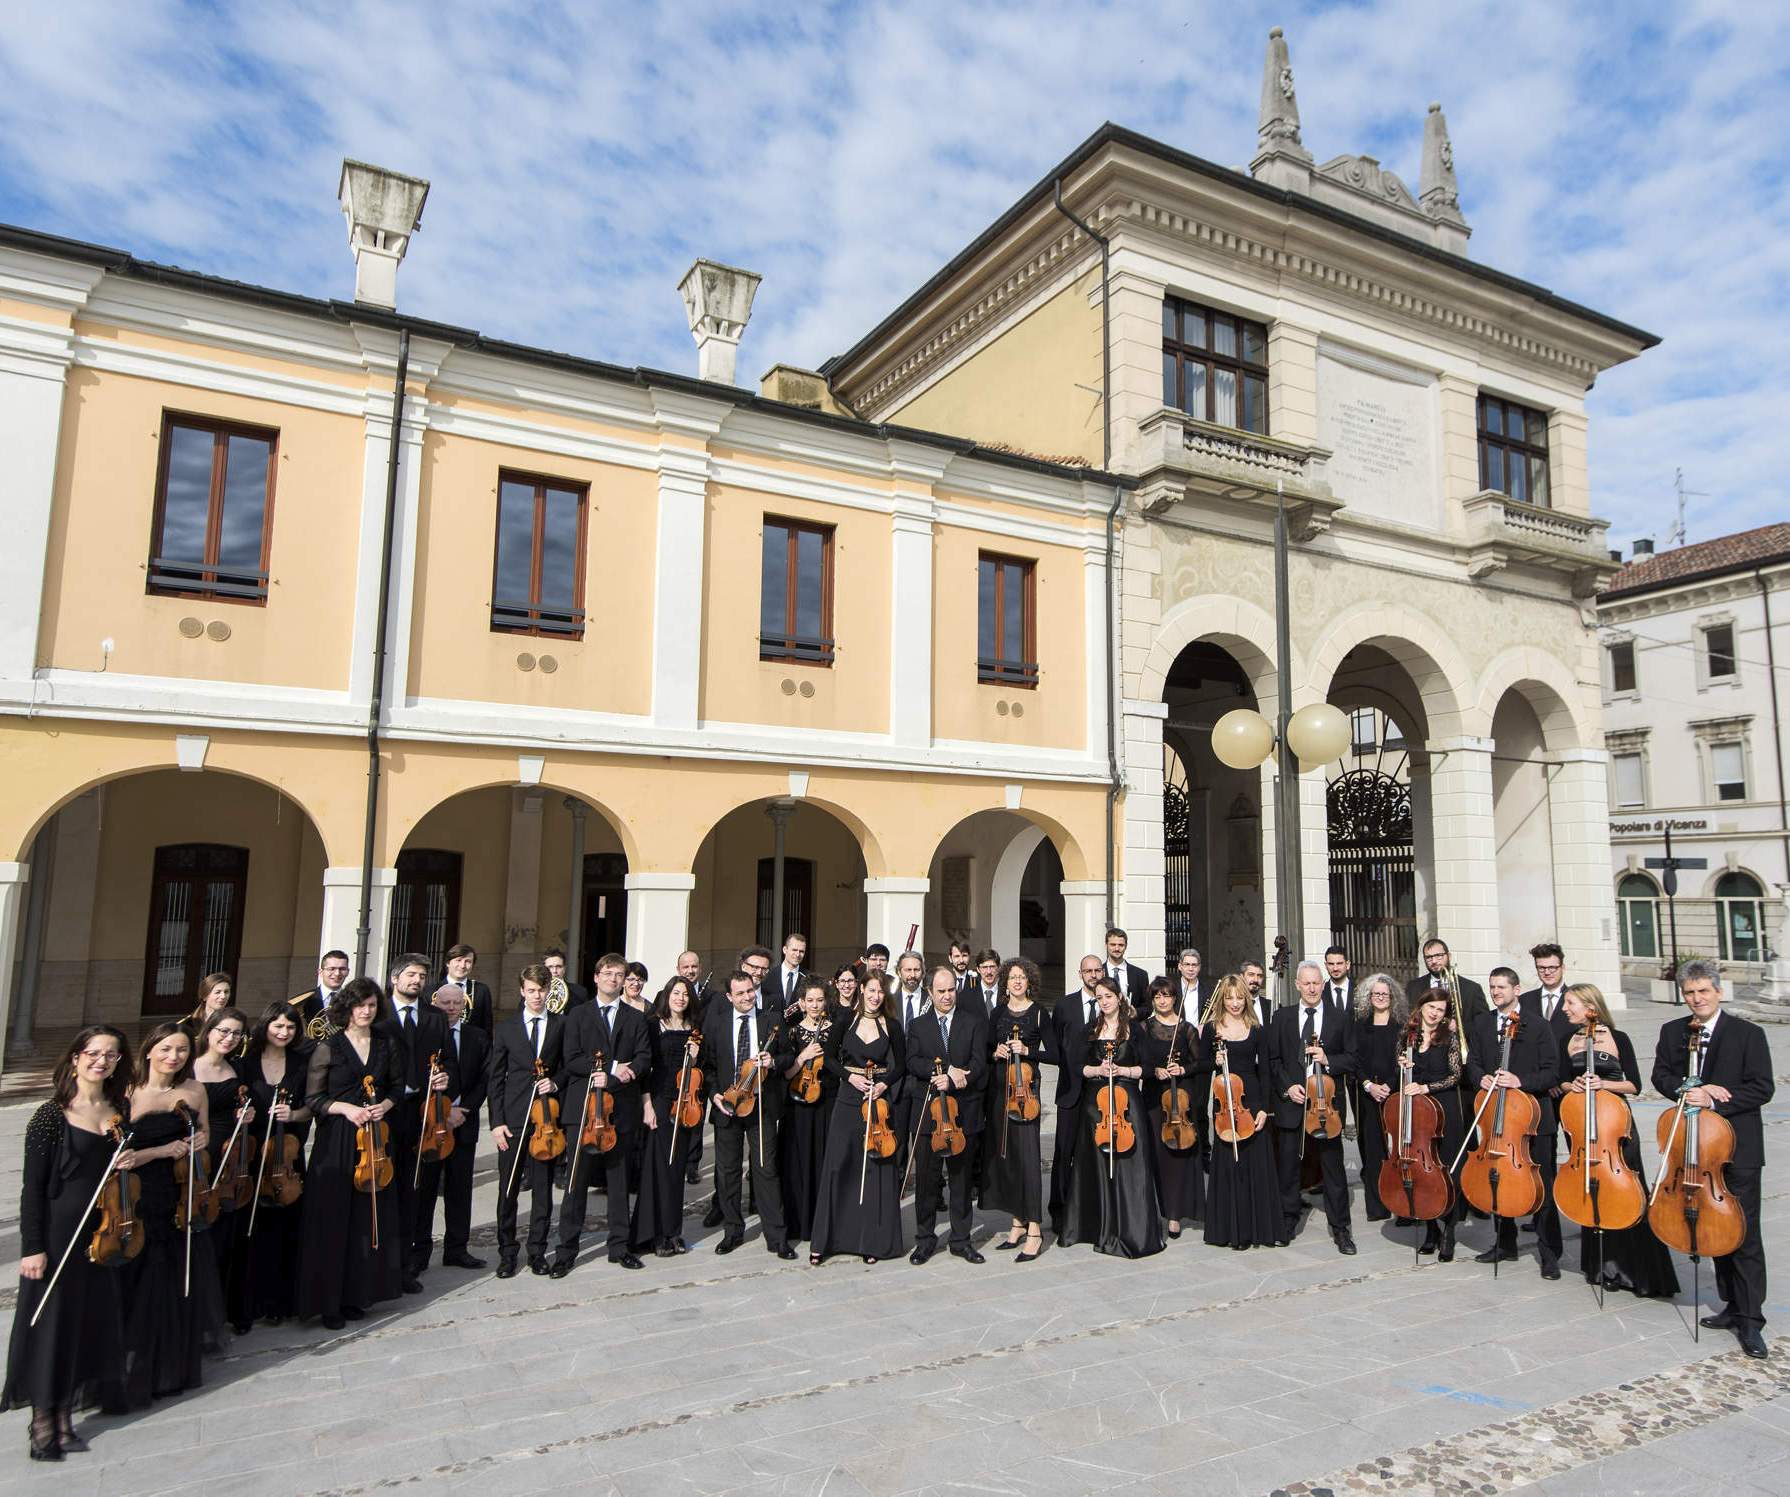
<point>1310,1033</point>
<point>455,1031</point>
<point>534,1036</point>
<point>609,1017</point>
<point>789,990</point>
<point>945,1033</point>
<point>1089,1021</point>
<point>742,1043</point>
<point>409,1024</point>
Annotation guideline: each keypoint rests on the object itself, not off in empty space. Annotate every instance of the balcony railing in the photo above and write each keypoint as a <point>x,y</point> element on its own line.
<point>1502,531</point>
<point>1182,458</point>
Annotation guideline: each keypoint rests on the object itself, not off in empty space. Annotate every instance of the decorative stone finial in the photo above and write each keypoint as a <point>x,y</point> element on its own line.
<point>383,208</point>
<point>718,301</point>
<point>1438,191</point>
<point>1281,157</point>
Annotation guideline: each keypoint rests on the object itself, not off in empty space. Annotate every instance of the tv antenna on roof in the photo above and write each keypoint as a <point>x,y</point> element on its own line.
<point>1675,536</point>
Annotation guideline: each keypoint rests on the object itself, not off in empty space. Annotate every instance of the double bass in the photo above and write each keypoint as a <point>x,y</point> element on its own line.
<point>1412,1171</point>
<point>1691,1210</point>
<point>1595,1189</point>
<point>1500,1177</point>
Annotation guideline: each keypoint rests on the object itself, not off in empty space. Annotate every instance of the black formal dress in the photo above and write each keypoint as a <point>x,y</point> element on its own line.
<point>1243,1205</point>
<point>1376,1060</point>
<point>1180,1173</point>
<point>73,1358</point>
<point>338,1265</point>
<point>267,1259</point>
<point>1012,1156</point>
<point>1113,1203</point>
<point>1065,1045</point>
<point>1439,1068</point>
<point>220,1124</point>
<point>802,1138</point>
<point>658,1219</point>
<point>168,1330</point>
<point>842,1224</point>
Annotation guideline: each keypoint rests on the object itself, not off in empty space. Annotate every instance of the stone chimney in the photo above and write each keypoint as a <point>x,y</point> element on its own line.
<point>1281,159</point>
<point>718,301</point>
<point>1438,191</point>
<point>383,209</point>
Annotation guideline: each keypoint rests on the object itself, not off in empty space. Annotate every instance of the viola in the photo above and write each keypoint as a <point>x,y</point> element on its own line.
<point>235,1183</point>
<point>597,1130</point>
<point>947,1133</point>
<point>546,1139</point>
<point>805,1085</point>
<point>1691,1209</point>
<point>1500,1177</point>
<point>879,1135</point>
<point>1322,1120</point>
<point>1178,1131</point>
<point>1022,1096</point>
<point>686,1107</point>
<point>1112,1125</point>
<point>193,1167</point>
<point>373,1160</point>
<point>281,1183</point>
<point>1594,1188</point>
<point>117,1234</point>
<point>437,1139</point>
<point>1232,1121</point>
<point>1412,1171</point>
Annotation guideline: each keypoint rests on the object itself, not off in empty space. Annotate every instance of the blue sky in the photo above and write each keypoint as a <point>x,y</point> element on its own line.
<point>1631,157</point>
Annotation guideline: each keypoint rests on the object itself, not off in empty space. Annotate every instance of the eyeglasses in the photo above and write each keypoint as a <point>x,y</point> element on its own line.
<point>109,1057</point>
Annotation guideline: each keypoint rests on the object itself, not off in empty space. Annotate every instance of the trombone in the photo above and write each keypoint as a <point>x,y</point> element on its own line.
<point>1452,982</point>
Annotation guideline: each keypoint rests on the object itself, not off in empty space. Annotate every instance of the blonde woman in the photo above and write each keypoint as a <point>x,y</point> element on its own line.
<point>1243,1204</point>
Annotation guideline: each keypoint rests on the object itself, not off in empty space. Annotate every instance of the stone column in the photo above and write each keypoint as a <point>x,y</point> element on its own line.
<point>891,906</point>
<point>779,811</point>
<point>1314,860</point>
<point>658,919</point>
<point>1584,893</point>
<point>1459,398</point>
<point>677,587</point>
<point>1084,923</point>
<point>1143,912</point>
<point>14,879</point>
<point>1776,986</point>
<point>1136,331</point>
<point>1293,382</point>
<point>341,915</point>
<point>910,636</point>
<point>1466,851</point>
<point>21,1017</point>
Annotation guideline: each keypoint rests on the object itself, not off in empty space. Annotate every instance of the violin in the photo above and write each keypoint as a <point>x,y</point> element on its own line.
<point>1500,1177</point>
<point>1322,1120</point>
<point>742,1096</point>
<point>281,1183</point>
<point>1691,1209</point>
<point>598,1130</point>
<point>203,1198</point>
<point>879,1136</point>
<point>373,1161</point>
<point>1232,1121</point>
<point>437,1140</point>
<point>1112,1126</point>
<point>805,1085</point>
<point>1594,1188</point>
<point>546,1139</point>
<point>1178,1131</point>
<point>1022,1096</point>
<point>1412,1170</point>
<point>117,1235</point>
<point>235,1183</point>
<point>947,1134</point>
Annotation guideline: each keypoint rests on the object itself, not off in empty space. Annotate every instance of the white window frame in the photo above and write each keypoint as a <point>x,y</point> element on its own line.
<point>1622,916</point>
<point>1724,915</point>
<point>1706,681</point>
<point>1611,643</point>
<point>1616,800</point>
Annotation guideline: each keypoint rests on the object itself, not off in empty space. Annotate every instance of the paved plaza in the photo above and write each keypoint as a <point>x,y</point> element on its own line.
<point>1197,1371</point>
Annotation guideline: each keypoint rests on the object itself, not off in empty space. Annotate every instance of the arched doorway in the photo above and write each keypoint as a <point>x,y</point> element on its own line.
<point>995,882</point>
<point>1372,850</point>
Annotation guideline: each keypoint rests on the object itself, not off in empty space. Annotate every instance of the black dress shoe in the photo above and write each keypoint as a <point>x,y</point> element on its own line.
<point>461,1259</point>
<point>330,1323</point>
<point>71,1443</point>
<point>923,1251</point>
<point>1345,1244</point>
<point>1751,1342</point>
<point>728,1243</point>
<point>1432,1239</point>
<point>627,1260</point>
<point>412,1284</point>
<point>1009,1244</point>
<point>712,1217</point>
<point>787,1253</point>
<point>506,1268</point>
<point>1496,1254</point>
<point>539,1267</point>
<point>968,1254</point>
<point>1720,1321</point>
<point>1446,1253</point>
<point>1550,1270</point>
<point>353,1312</point>
<point>561,1267</point>
<point>664,1250</point>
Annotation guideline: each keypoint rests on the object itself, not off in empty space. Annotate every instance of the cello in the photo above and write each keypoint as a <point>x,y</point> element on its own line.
<point>1411,1169</point>
<point>1500,1177</point>
<point>1178,1131</point>
<point>1595,1189</point>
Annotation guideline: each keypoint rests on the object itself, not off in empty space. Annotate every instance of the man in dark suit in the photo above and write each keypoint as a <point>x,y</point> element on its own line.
<point>1255,978</point>
<point>554,960</point>
<point>1186,978</point>
<point>1339,994</point>
<point>609,1027</point>
<point>1066,1047</point>
<point>1534,1068</point>
<point>739,1032</point>
<point>947,1052</point>
<point>452,1178</point>
<point>1133,981</point>
<point>461,959</point>
<point>1437,960</point>
<point>332,972</point>
<point>1544,1001</point>
<point>1303,1035</point>
<point>417,1031</point>
<point>689,967</point>
<point>1735,1079</point>
<point>961,969</point>
<point>987,983</point>
<point>791,974</point>
<point>521,1039</point>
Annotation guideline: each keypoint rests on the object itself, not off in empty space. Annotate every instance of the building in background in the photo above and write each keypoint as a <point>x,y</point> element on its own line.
<point>1696,678</point>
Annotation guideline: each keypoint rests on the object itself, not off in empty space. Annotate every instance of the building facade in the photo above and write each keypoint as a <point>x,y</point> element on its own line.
<point>1696,641</point>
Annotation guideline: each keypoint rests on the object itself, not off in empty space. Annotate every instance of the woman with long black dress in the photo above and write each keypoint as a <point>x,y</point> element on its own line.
<point>860,1193</point>
<point>845,994</point>
<point>1167,1046</point>
<point>276,1069</point>
<point>173,1316</point>
<point>1436,1073</point>
<point>658,1220</point>
<point>1243,1205</point>
<point>1632,1259</point>
<point>220,1047</point>
<point>1113,1204</point>
<point>341,1271</point>
<point>1380,1014</point>
<point>802,1141</point>
<point>1013,1167</point>
<point>73,1358</point>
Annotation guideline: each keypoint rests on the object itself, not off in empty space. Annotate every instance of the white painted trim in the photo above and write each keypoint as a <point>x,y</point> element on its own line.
<point>1373,363</point>
<point>674,881</point>
<point>680,545</point>
<point>910,625</point>
<point>169,367</point>
<point>1003,890</point>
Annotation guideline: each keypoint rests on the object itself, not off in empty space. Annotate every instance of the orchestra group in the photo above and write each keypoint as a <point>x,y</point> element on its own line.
<point>288,1167</point>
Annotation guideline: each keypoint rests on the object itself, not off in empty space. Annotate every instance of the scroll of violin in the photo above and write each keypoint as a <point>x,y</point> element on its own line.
<point>1177,1107</point>
<point>1692,1211</point>
<point>947,1134</point>
<point>1594,1188</point>
<point>597,1130</point>
<point>1412,1171</point>
<point>117,1234</point>
<point>1500,1177</point>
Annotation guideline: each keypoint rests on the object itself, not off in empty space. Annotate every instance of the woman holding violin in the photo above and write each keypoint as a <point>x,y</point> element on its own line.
<point>220,1047</point>
<point>674,1109</point>
<point>350,1248</point>
<point>1168,1046</point>
<point>73,1357</point>
<point>802,1146</point>
<point>275,1068</point>
<point>173,1305</point>
<point>1243,1205</point>
<point>1113,1203</point>
<point>1012,1154</point>
<point>1632,1258</point>
<point>860,1187</point>
<point>214,993</point>
<point>1380,1017</point>
<point>1435,1053</point>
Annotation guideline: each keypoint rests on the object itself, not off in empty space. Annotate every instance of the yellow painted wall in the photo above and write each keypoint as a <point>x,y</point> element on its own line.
<point>100,538</point>
<point>1021,389</point>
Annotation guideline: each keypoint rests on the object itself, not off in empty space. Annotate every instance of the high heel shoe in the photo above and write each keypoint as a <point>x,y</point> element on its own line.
<point>1007,1244</point>
<point>1445,1254</point>
<point>45,1446</point>
<point>814,1260</point>
<point>1031,1254</point>
<point>71,1443</point>
<point>1432,1239</point>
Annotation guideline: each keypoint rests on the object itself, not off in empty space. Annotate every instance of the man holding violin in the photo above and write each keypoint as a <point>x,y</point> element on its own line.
<point>740,1036</point>
<point>1311,1043</point>
<point>524,1038</point>
<point>452,1178</point>
<point>957,1040</point>
<point>417,1032</point>
<point>1736,1081</point>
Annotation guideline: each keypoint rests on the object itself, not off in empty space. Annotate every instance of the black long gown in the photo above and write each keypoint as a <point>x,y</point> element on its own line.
<point>1013,1158</point>
<point>659,1202</point>
<point>1243,1208</point>
<point>74,1356</point>
<point>168,1330</point>
<point>220,1123</point>
<point>802,1143</point>
<point>1376,1060</point>
<point>1439,1068</point>
<point>841,1224</point>
<point>337,1263</point>
<point>1633,1259</point>
<point>264,1281</point>
<point>1180,1173</point>
<point>1114,1209</point>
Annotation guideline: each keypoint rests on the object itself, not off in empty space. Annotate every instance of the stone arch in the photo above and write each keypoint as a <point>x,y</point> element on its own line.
<point>870,848</point>
<point>1242,628</point>
<point>1414,640</point>
<point>398,834</point>
<point>1544,682</point>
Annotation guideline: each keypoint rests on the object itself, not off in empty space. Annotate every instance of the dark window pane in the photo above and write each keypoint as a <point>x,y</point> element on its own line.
<point>809,546</point>
<point>1721,650</point>
<point>1538,428</point>
<point>1193,398</point>
<point>985,611</point>
<point>1224,337</point>
<point>1169,362</point>
<point>1193,328</point>
<point>1255,343</point>
<point>1538,481</point>
<point>1013,644</point>
<point>245,502</point>
<point>1622,667</point>
<point>1494,468</point>
<point>1519,488</point>
<point>1168,321</point>
<point>1224,397</point>
<point>187,507</point>
<point>1255,404</point>
<point>774,581</point>
<point>559,551</point>
<point>515,541</point>
<point>1494,418</point>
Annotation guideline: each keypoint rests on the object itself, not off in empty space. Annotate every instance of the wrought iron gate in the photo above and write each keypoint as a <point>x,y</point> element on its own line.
<point>1373,882</point>
<point>1177,855</point>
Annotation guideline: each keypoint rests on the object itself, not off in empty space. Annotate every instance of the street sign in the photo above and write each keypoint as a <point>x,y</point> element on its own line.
<point>1674,862</point>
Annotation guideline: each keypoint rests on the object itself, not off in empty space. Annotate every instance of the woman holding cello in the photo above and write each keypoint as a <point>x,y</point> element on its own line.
<point>1243,1205</point>
<point>1167,1045</point>
<point>349,1250</point>
<point>658,1220</point>
<point>1380,1016</point>
<point>802,1143</point>
<point>73,1357</point>
<point>1113,1203</point>
<point>219,1049</point>
<point>1435,1052</point>
<point>275,1068</point>
<point>860,1188</point>
<point>1012,1157</point>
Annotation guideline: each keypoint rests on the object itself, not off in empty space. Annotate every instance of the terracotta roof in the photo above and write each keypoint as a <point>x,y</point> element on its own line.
<point>1728,553</point>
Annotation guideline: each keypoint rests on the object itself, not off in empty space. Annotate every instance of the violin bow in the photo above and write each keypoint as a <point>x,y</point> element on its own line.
<point>192,1168</point>
<point>677,1101</point>
<point>528,1119</point>
<point>224,1162</point>
<point>1112,1126</point>
<point>869,1104</point>
<point>1224,1059</point>
<point>111,1169</point>
<point>1486,1094</point>
<point>913,1146</point>
<point>261,1171</point>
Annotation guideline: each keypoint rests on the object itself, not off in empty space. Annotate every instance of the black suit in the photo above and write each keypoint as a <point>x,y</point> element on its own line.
<point>410,1059</point>
<point>1535,1062</point>
<point>453,1179</point>
<point>1264,1009</point>
<point>1473,999</point>
<point>1547,1140</point>
<point>779,979</point>
<point>1065,1041</point>
<point>751,1140</point>
<point>1134,982</point>
<point>1737,1057</point>
<point>624,1041</point>
<point>480,1006</point>
<point>509,1093</point>
<point>933,1172</point>
<point>1334,1029</point>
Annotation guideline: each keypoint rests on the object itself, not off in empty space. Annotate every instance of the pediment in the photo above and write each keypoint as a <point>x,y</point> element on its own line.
<point>1366,176</point>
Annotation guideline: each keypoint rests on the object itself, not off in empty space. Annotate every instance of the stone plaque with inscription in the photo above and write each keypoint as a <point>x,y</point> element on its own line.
<point>954,894</point>
<point>1380,419</point>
